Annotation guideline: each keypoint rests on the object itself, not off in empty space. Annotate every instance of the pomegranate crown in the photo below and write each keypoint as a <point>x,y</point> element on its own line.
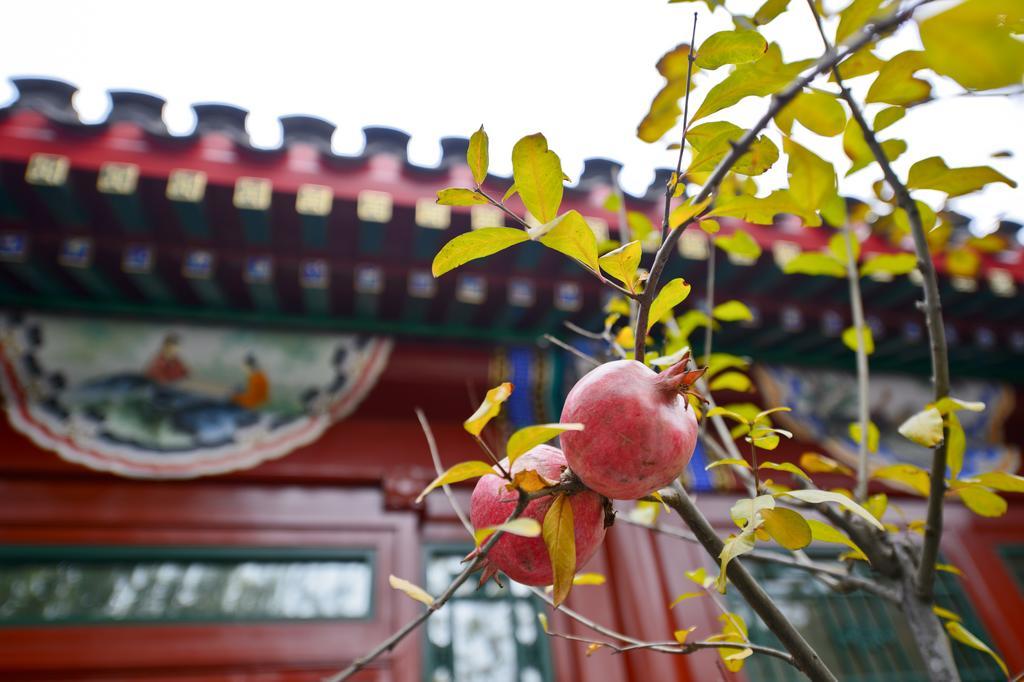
<point>679,378</point>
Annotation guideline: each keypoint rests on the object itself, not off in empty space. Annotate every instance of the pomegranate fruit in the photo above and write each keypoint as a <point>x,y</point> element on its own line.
<point>525,560</point>
<point>638,429</point>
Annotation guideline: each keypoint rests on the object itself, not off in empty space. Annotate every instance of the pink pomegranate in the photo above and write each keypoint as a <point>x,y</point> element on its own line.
<point>639,432</point>
<point>525,560</point>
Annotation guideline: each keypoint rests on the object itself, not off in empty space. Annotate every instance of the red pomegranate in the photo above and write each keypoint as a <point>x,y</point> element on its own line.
<point>639,431</point>
<point>525,560</point>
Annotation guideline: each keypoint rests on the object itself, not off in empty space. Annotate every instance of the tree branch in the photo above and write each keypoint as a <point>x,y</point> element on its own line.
<point>863,408</point>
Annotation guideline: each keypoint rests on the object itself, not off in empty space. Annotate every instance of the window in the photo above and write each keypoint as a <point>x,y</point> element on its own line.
<point>1013,556</point>
<point>861,637</point>
<point>65,585</point>
<point>486,635</point>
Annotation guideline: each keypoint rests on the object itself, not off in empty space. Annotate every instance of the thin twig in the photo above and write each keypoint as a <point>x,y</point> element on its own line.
<point>428,433</point>
<point>575,351</point>
<point>863,405</point>
<point>670,190</point>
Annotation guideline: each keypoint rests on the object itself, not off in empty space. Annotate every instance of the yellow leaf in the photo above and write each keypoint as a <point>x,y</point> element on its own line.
<point>982,501</point>
<point>820,464</point>
<point>560,540</point>
<point>681,635</point>
<point>414,591</point>
<point>855,16</point>
<point>739,243</point>
<point>734,547</point>
<point>509,193</point>
<point>949,568</point>
<point>886,117</point>
<point>528,437</point>
<point>890,264</point>
<point>916,478</point>
<point>730,47</point>
<point>785,466</point>
<point>488,409</point>
<point>822,532</point>
<point>477,155</point>
<point>622,263</point>
<point>588,579</point>
<point>744,512</point>
<point>733,630</point>
<point>820,496</point>
<point>877,504</point>
<point>951,404</point>
<point>739,655</point>
<point>896,83</point>
<point>811,178</point>
<point>656,495</point>
<point>476,244</point>
<point>537,172</point>
<point>592,647</point>
<point>570,234</point>
<point>1001,480</point>
<point>543,622</point>
<point>933,173</point>
<point>924,428</point>
<point>732,311</point>
<point>757,79</point>
<point>973,43</point>
<point>787,527</point>
<point>728,462</point>
<point>710,226</point>
<point>956,446</point>
<point>529,481</point>
<point>961,634</point>
<point>850,336</point>
<point>523,527</point>
<point>814,264</point>
<point>685,212</point>
<point>873,435</point>
<point>671,295</point>
<point>460,472</point>
<point>684,596</point>
<point>945,613</point>
<point>731,381</point>
<point>456,196</point>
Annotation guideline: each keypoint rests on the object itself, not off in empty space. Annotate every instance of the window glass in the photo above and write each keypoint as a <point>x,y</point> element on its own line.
<point>69,585</point>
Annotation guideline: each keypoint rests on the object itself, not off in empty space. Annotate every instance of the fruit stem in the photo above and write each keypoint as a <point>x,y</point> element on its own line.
<point>678,378</point>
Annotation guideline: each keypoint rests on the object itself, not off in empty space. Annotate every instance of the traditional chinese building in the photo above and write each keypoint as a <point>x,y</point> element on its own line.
<point>211,354</point>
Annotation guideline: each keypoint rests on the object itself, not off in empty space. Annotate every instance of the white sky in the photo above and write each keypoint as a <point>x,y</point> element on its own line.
<point>580,71</point>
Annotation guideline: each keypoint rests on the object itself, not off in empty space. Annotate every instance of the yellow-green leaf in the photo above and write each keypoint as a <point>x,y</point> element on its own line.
<point>873,435</point>
<point>821,496</point>
<point>731,381</point>
<point>698,575</point>
<point>815,264</point>
<point>460,472</point>
<point>710,226</point>
<point>769,10</point>
<point>560,540</point>
<point>982,501</point>
<point>730,47</point>
<point>684,596</point>
<point>820,464</point>
<point>933,173</point>
<point>855,16</point>
<point>896,83</point>
<point>589,579</point>
<point>857,150</point>
<point>735,546</point>
<point>685,212</point>
<point>886,117</point>
<point>785,466</point>
<point>543,622</point>
<point>924,428</point>
<point>477,155</point>
<point>946,613</point>
<point>457,196</point>
<point>859,64</point>
<point>819,112</point>
<point>671,295</point>
<point>951,404</point>
<point>889,263</point>
<point>509,193</point>
<point>570,234</point>
<point>745,510</point>
<point>414,591</point>
<point>622,263</point>
<point>963,635</point>
<point>761,78</point>
<point>973,43</point>
<point>1001,480</point>
<point>721,411</point>
<point>822,532</point>
<point>850,339</point>
<point>956,446</point>
<point>732,311</point>
<point>877,504</point>
<point>734,629</point>
<point>787,527</point>
<point>476,244</point>
<point>728,462</point>
<point>914,477</point>
<point>739,243</point>
<point>523,527</point>
<point>528,437</point>
<point>488,409</point>
<point>537,172</point>
<point>639,225</point>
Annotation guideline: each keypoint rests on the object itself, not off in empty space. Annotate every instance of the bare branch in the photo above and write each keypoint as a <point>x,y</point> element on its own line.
<point>428,433</point>
<point>863,409</point>
<point>575,351</point>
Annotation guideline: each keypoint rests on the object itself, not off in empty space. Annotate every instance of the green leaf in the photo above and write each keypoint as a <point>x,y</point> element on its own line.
<point>476,244</point>
<point>411,590</point>
<point>456,196</point>
<point>855,16</point>
<point>956,445</point>
<point>914,477</point>
<point>933,173</point>
<point>731,381</point>
<point>850,335</point>
<point>685,212</point>
<point>537,172</point>
<point>923,428</point>
<point>815,264</point>
<point>811,178</point>
<point>622,263</point>
<point>731,47</point>
<point>963,635</point>
<point>785,466</point>
<point>488,409</point>
<point>821,496</point>
<point>560,540</point>
<point>787,527</point>
<point>764,77</point>
<point>523,527</point>
<point>767,12</point>
<point>732,311</point>
<point>460,472</point>
<point>739,243</point>
<point>528,437</point>
<point>982,501</point>
<point>873,435</point>
<point>819,112</point>
<point>886,117</point>
<point>896,83</point>
<point>477,156</point>
<point>671,295</point>
<point>973,43</point>
<point>570,234</point>
<point>889,263</point>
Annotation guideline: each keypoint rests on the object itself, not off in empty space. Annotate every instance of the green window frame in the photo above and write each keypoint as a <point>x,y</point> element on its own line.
<point>1013,557</point>
<point>85,584</point>
<point>522,654</point>
<point>860,636</point>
